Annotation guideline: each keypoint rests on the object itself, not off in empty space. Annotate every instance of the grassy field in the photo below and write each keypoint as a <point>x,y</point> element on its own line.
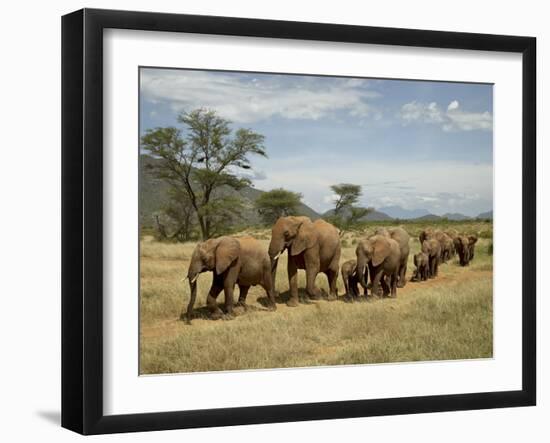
<point>450,317</point>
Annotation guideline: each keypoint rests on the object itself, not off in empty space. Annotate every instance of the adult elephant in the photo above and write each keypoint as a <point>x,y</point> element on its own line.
<point>453,234</point>
<point>402,238</point>
<point>242,261</point>
<point>465,247</point>
<point>383,257</point>
<point>313,246</point>
<point>432,248</point>
<point>446,243</point>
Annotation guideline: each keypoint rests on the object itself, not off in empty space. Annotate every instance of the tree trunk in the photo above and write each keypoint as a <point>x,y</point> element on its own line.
<point>204,229</point>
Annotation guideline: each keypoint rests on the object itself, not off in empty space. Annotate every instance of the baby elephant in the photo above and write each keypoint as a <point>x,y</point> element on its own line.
<point>232,260</point>
<point>421,261</point>
<point>351,279</point>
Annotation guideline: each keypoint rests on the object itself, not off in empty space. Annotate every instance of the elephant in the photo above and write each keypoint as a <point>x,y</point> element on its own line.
<point>313,246</point>
<point>432,248</point>
<point>472,241</point>
<point>233,260</point>
<point>446,243</point>
<point>465,246</point>
<point>402,238</point>
<point>383,257</point>
<point>351,279</point>
<point>444,240</point>
<point>425,234</point>
<point>422,262</point>
<point>452,233</point>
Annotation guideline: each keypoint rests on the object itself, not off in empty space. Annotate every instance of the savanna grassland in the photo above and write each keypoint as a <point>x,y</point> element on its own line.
<point>449,317</point>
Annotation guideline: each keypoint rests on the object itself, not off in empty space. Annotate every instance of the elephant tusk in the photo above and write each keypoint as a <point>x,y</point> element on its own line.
<point>194,279</point>
<point>277,256</point>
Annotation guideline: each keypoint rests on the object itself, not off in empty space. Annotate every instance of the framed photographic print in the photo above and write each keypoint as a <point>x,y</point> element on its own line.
<point>269,221</point>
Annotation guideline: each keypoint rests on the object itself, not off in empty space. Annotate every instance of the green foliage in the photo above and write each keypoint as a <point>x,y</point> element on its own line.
<point>346,216</point>
<point>347,195</point>
<point>221,213</point>
<point>198,162</point>
<point>486,233</point>
<point>277,203</point>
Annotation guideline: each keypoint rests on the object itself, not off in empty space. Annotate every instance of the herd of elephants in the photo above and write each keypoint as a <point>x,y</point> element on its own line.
<point>315,247</point>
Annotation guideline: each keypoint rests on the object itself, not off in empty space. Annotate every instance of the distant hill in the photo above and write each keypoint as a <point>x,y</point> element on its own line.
<point>402,213</point>
<point>429,217</point>
<point>488,214</point>
<point>455,216</point>
<point>371,216</point>
<point>153,196</point>
<point>378,216</point>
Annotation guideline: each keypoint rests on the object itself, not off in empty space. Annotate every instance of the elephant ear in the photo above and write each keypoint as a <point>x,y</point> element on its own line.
<point>305,239</point>
<point>227,252</point>
<point>472,239</point>
<point>380,251</point>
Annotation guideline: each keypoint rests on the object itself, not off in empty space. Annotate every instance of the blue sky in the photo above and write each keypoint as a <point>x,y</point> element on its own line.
<point>414,144</point>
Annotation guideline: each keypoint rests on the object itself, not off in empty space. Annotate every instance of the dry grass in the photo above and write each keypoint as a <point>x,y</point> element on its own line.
<point>446,318</point>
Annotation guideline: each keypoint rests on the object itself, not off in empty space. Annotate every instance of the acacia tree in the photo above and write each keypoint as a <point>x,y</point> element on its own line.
<point>201,160</point>
<point>346,214</point>
<point>277,203</point>
<point>346,195</point>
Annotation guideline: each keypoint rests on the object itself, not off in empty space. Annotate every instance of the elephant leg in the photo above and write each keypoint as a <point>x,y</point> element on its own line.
<point>385,286</point>
<point>347,288</point>
<point>376,277</point>
<point>243,292</point>
<point>268,286</point>
<point>332,276</point>
<point>312,291</point>
<point>292,283</point>
<point>436,266</point>
<point>228,288</point>
<point>402,273</point>
<point>394,284</point>
<point>211,300</point>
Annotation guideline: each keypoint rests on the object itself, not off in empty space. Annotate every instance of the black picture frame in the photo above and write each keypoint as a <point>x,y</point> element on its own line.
<point>82,218</point>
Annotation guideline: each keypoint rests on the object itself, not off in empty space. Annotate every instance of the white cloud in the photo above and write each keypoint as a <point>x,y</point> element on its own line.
<point>467,121</point>
<point>427,113</point>
<point>453,105</point>
<point>245,100</point>
<point>454,119</point>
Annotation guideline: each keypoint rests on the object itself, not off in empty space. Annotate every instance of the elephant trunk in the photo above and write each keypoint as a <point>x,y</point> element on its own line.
<point>193,291</point>
<point>274,263</point>
<point>361,268</point>
<point>276,248</point>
